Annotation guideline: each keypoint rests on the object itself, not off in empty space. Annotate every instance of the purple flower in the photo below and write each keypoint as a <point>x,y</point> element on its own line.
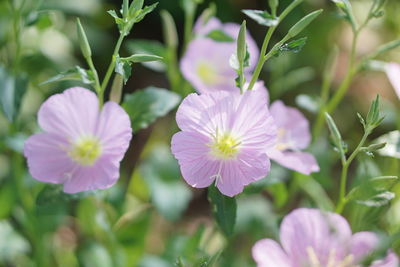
<point>312,238</point>
<point>224,138</point>
<point>293,136</point>
<point>393,73</point>
<point>206,62</point>
<point>81,146</point>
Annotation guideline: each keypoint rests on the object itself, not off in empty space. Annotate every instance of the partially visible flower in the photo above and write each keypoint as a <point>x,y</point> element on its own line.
<point>312,238</point>
<point>393,73</point>
<point>224,138</point>
<point>206,62</point>
<point>81,146</point>
<point>293,136</point>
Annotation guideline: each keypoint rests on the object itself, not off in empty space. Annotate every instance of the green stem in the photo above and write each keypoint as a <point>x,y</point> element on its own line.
<point>111,67</point>
<point>96,76</point>
<point>263,57</point>
<point>340,93</point>
<point>343,179</point>
<point>188,28</point>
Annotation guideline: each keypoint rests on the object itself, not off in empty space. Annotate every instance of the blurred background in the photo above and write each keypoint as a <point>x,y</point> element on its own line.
<point>151,217</point>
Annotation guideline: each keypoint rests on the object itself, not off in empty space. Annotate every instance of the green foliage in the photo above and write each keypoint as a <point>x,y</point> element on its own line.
<point>145,106</point>
<point>12,89</point>
<point>303,23</point>
<point>294,46</point>
<point>224,210</point>
<point>77,74</point>
<point>219,36</point>
<point>262,17</point>
<point>168,193</point>
<point>150,47</point>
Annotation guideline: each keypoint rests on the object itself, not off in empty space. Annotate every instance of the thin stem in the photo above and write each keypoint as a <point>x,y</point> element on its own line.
<point>263,57</point>
<point>111,67</point>
<point>188,28</point>
<point>261,60</point>
<point>340,93</point>
<point>343,179</point>
<point>96,76</point>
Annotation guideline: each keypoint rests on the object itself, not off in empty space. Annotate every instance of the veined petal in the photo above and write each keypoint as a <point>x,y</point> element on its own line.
<point>293,124</point>
<point>114,130</point>
<point>48,159</point>
<point>103,174</point>
<point>309,231</point>
<point>268,253</point>
<point>302,162</point>
<point>70,114</point>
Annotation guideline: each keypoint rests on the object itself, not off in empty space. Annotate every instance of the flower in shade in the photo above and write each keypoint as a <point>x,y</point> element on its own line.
<point>206,61</point>
<point>393,73</point>
<point>312,238</point>
<point>224,138</point>
<point>293,136</point>
<point>81,146</point>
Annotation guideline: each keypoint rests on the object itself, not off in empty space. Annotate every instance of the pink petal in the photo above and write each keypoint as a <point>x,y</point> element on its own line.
<point>306,228</point>
<point>268,253</point>
<point>114,130</point>
<point>47,157</point>
<point>393,73</point>
<point>391,260</point>
<point>191,151</point>
<point>299,161</point>
<point>103,174</point>
<point>204,113</point>
<point>293,122</point>
<point>72,113</point>
<point>362,244</point>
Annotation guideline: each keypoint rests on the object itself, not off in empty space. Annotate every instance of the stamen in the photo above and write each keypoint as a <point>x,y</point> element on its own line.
<point>312,256</point>
<point>85,151</point>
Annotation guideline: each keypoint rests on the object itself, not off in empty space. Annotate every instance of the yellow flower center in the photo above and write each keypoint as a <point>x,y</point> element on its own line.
<point>281,145</point>
<point>224,146</point>
<point>207,73</point>
<point>85,151</point>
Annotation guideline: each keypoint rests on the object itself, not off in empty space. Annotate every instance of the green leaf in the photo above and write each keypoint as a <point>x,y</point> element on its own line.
<point>303,23</point>
<point>262,17</point>
<point>135,7</point>
<point>145,106</point>
<point>294,46</point>
<point>77,73</point>
<point>83,41</point>
<point>95,254</point>
<point>52,193</point>
<point>123,67</point>
<point>146,10</point>
<point>168,192</point>
<point>119,21</point>
<point>169,29</point>
<point>347,9</point>
<point>138,58</point>
<point>378,200</point>
<point>374,192</point>
<point>148,47</point>
<point>219,36</point>
<point>392,148</point>
<point>12,89</point>
<point>335,134</point>
<point>224,210</point>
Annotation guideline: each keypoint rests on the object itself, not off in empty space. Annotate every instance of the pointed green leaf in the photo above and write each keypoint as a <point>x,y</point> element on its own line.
<point>77,73</point>
<point>123,67</point>
<point>261,17</point>
<point>143,58</point>
<point>224,210</point>
<point>303,23</point>
<point>219,36</point>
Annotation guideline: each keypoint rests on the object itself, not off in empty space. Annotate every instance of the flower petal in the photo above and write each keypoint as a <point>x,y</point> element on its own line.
<point>47,157</point>
<point>293,123</point>
<point>190,149</point>
<point>362,244</point>
<point>302,162</point>
<point>103,174</point>
<point>391,260</point>
<point>71,114</point>
<point>268,253</point>
<point>311,229</point>
<point>114,130</point>
<point>205,113</point>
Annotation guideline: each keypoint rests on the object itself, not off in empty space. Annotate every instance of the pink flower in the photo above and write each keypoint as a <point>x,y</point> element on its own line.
<point>312,238</point>
<point>224,138</point>
<point>293,136</point>
<point>206,62</point>
<point>81,146</point>
<point>393,73</point>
